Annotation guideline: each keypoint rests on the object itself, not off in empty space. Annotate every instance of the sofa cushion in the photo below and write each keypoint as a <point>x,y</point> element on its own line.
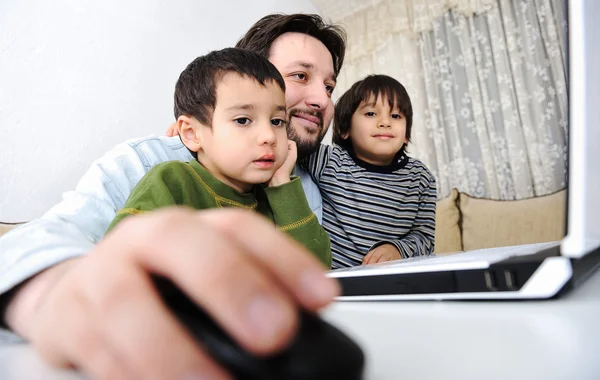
<point>5,227</point>
<point>447,230</point>
<point>489,223</point>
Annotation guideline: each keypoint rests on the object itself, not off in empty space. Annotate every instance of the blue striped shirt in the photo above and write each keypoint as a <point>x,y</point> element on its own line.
<point>365,205</point>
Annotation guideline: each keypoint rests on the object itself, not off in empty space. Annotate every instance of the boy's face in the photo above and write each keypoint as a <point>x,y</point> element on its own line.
<point>307,68</point>
<point>377,131</point>
<point>248,140</point>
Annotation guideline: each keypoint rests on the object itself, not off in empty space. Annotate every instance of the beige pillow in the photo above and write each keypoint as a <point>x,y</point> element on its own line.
<point>447,230</point>
<point>5,227</point>
<point>488,223</point>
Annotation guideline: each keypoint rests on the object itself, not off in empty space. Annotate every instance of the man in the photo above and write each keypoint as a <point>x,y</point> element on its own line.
<point>93,306</point>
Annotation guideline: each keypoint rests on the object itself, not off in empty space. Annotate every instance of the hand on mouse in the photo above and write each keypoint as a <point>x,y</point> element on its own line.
<point>100,312</point>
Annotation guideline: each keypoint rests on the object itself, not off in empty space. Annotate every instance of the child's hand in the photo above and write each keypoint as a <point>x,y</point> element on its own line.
<point>282,175</point>
<point>385,252</point>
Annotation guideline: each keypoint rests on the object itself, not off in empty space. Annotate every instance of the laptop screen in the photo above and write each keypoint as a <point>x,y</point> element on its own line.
<point>584,131</point>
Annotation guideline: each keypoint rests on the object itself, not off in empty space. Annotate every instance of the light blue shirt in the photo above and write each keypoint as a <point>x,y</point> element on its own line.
<point>79,221</point>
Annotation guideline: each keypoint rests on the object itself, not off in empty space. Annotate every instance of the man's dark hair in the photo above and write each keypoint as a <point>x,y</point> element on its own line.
<point>265,31</point>
<point>373,86</point>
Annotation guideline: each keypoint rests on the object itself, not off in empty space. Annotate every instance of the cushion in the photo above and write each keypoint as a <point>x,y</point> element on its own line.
<point>447,230</point>
<point>5,227</point>
<point>489,223</point>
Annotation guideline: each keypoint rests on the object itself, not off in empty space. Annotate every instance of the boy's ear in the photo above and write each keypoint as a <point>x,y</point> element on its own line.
<point>189,131</point>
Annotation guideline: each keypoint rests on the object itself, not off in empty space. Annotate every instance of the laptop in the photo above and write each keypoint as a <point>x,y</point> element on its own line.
<point>535,271</point>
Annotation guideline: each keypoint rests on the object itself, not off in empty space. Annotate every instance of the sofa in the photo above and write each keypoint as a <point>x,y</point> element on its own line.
<point>465,223</point>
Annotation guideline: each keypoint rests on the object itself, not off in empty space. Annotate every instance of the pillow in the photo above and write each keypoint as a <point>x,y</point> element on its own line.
<point>447,230</point>
<point>489,223</point>
<point>5,227</point>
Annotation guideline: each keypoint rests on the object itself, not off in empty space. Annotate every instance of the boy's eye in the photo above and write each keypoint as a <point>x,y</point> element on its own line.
<point>300,76</point>
<point>242,120</point>
<point>370,113</point>
<point>396,116</point>
<point>278,122</point>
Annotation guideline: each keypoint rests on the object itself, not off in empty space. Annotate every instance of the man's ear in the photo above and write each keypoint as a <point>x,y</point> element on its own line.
<point>189,131</point>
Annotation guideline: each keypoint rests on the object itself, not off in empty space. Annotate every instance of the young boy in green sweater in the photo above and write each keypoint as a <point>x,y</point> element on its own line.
<point>231,114</point>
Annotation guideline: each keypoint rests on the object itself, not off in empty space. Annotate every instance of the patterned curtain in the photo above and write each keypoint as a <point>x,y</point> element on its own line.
<point>488,84</point>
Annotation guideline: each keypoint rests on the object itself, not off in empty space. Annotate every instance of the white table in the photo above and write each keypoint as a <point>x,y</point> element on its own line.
<point>556,339</point>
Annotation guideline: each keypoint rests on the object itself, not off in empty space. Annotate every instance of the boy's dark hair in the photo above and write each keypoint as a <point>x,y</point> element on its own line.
<point>196,88</point>
<point>372,86</point>
<point>261,35</point>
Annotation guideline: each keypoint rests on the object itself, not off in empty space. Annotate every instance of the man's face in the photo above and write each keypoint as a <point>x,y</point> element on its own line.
<point>307,68</point>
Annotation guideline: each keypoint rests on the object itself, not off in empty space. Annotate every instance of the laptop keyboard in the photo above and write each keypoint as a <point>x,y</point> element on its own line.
<point>480,258</point>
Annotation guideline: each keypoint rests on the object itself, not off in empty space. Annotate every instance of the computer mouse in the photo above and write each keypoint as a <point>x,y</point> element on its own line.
<point>318,351</point>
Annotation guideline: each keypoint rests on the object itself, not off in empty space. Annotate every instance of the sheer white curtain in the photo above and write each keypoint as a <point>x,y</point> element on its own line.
<point>487,80</point>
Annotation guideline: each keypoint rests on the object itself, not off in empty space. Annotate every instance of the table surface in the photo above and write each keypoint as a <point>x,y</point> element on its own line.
<point>551,339</point>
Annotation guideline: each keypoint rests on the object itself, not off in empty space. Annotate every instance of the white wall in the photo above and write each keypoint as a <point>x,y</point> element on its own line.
<point>79,76</point>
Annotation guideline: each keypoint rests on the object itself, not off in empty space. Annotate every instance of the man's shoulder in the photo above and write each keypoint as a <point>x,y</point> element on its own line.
<point>152,150</point>
<point>172,170</point>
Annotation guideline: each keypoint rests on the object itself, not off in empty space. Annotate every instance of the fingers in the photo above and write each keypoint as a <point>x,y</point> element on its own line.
<point>247,275</point>
<point>374,256</point>
<point>292,150</point>
<point>381,258</point>
<point>367,258</point>
<point>172,130</point>
<point>151,341</point>
<point>299,272</point>
<point>105,316</point>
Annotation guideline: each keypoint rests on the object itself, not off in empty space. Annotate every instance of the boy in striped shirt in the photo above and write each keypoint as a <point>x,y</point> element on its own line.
<point>378,203</point>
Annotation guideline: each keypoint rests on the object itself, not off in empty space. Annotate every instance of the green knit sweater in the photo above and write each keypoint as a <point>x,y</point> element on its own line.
<point>190,184</point>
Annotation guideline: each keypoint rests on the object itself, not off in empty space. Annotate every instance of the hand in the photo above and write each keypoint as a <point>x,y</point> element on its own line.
<point>101,314</point>
<point>172,130</point>
<point>385,252</point>
<point>282,175</point>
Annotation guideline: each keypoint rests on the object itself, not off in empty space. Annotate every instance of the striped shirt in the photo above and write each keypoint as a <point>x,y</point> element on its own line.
<point>365,206</point>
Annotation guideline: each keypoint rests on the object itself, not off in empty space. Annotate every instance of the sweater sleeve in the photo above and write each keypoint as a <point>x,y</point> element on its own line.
<point>293,216</point>
<point>419,241</point>
<point>153,191</point>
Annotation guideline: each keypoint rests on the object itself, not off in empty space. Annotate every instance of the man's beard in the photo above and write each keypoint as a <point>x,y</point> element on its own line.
<point>306,146</point>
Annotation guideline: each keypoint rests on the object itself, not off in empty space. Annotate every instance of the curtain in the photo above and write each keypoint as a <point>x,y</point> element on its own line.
<point>488,84</point>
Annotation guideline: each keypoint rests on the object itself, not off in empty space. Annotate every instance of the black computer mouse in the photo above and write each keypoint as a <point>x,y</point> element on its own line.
<point>319,350</point>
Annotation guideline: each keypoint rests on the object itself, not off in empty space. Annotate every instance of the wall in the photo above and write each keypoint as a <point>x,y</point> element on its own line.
<point>78,77</point>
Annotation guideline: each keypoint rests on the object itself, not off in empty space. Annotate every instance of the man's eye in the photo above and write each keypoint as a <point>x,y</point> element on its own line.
<point>242,120</point>
<point>278,122</point>
<point>370,114</point>
<point>329,89</point>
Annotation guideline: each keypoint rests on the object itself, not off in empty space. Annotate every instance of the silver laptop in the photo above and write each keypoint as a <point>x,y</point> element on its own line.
<point>536,271</point>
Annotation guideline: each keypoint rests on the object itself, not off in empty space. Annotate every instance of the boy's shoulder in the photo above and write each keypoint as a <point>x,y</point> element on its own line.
<point>414,165</point>
<point>171,170</point>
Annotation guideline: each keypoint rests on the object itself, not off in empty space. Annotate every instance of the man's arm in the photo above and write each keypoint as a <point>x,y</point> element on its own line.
<point>91,310</point>
<point>72,227</point>
<point>293,215</point>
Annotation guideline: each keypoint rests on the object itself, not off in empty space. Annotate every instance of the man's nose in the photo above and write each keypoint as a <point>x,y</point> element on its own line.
<point>317,97</point>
